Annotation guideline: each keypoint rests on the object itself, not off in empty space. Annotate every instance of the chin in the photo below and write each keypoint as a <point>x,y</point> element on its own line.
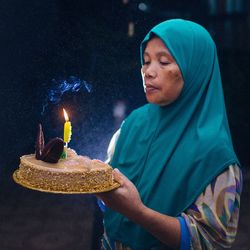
<point>157,102</point>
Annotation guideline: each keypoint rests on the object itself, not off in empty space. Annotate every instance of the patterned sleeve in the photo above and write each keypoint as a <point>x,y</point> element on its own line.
<point>213,219</point>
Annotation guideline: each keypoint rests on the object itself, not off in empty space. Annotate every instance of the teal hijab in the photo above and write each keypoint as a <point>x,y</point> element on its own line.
<point>172,153</point>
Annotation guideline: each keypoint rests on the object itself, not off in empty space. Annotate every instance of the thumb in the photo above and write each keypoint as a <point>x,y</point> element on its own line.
<point>118,176</point>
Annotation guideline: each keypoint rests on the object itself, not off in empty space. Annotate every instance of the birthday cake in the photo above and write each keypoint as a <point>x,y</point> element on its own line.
<point>48,171</point>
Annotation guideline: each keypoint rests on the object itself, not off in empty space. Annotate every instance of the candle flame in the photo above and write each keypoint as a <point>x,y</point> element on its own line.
<point>65,115</point>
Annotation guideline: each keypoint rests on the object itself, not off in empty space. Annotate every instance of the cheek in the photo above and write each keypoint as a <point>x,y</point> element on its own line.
<point>175,83</point>
<point>175,75</point>
<point>177,80</point>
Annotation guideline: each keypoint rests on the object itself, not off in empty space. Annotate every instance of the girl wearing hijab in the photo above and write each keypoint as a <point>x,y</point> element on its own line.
<point>180,178</point>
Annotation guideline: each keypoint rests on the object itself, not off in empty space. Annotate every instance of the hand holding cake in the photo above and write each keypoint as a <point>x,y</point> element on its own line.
<point>126,199</point>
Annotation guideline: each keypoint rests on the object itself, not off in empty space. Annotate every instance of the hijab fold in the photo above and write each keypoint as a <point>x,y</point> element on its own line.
<point>172,153</point>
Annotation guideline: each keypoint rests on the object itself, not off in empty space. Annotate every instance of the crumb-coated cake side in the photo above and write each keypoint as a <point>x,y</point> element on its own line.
<point>74,174</point>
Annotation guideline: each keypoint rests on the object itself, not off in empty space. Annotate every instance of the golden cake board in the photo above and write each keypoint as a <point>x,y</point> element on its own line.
<point>90,191</point>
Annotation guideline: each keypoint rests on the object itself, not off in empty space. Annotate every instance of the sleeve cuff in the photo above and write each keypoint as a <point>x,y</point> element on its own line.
<point>101,205</point>
<point>185,235</point>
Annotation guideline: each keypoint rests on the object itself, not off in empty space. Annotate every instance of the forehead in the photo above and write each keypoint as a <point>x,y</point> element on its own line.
<point>156,46</point>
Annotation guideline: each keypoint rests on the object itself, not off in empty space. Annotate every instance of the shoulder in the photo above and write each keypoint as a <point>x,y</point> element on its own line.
<point>138,113</point>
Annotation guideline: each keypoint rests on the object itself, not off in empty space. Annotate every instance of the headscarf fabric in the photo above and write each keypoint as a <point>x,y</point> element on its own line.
<point>172,153</point>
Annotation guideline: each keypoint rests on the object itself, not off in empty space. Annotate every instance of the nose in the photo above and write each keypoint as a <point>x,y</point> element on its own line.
<point>150,71</point>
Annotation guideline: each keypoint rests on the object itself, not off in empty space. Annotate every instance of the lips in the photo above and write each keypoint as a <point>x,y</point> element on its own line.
<point>150,88</point>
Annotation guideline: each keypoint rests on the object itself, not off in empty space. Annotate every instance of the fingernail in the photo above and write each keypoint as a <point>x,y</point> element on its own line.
<point>116,170</point>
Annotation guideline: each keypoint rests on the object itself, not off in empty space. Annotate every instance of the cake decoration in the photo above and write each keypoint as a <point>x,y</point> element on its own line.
<point>39,142</point>
<point>52,151</point>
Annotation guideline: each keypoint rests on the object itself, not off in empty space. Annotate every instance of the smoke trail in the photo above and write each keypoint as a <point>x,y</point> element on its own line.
<point>71,84</point>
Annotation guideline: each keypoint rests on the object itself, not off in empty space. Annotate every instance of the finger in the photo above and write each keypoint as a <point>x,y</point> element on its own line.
<point>118,176</point>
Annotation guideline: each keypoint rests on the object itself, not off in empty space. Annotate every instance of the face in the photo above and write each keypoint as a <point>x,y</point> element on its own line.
<point>163,81</point>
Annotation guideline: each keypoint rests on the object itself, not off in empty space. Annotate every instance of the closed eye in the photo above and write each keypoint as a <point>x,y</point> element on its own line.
<point>164,63</point>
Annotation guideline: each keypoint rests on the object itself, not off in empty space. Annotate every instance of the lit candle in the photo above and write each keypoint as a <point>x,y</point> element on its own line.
<point>67,129</point>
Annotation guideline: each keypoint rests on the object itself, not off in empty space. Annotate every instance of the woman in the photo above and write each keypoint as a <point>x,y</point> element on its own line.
<point>180,178</point>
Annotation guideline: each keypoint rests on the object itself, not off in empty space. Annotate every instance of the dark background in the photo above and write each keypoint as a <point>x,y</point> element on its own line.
<point>42,40</point>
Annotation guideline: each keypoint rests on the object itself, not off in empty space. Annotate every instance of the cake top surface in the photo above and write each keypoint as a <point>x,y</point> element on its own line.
<point>73,162</point>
